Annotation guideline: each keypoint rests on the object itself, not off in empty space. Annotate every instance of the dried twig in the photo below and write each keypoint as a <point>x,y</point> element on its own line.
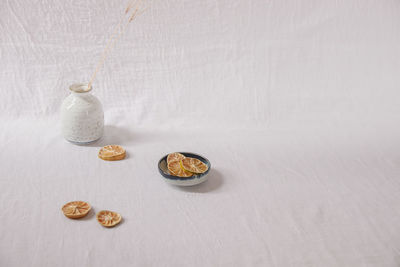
<point>136,4</point>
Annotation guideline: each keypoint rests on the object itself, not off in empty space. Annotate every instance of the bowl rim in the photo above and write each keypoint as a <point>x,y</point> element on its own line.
<point>186,154</point>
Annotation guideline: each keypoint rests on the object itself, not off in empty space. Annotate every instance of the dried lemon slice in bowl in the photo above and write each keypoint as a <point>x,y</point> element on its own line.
<point>108,218</point>
<point>112,152</point>
<point>193,165</point>
<point>175,169</point>
<point>171,178</point>
<point>175,157</point>
<point>76,209</point>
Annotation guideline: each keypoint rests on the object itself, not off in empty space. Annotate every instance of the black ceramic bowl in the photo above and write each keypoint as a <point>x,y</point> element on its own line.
<point>182,181</point>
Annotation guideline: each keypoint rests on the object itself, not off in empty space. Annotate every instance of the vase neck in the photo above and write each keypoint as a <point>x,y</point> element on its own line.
<point>80,88</point>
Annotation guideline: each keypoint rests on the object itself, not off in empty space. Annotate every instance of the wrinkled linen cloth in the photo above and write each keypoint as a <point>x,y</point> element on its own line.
<point>295,103</point>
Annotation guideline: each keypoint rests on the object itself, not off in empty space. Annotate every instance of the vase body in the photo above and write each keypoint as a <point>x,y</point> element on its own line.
<point>82,117</point>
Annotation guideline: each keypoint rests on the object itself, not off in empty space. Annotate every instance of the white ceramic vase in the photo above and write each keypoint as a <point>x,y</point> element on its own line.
<point>82,117</point>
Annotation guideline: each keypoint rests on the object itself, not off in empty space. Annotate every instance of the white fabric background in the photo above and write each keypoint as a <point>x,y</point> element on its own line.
<point>295,103</point>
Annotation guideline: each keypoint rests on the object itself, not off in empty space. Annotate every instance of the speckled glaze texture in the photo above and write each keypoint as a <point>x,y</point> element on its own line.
<point>82,118</point>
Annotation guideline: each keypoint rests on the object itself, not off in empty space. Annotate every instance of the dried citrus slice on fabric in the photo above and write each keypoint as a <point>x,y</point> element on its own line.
<point>175,169</point>
<point>175,157</point>
<point>108,218</point>
<point>193,165</point>
<point>76,209</point>
<point>112,152</point>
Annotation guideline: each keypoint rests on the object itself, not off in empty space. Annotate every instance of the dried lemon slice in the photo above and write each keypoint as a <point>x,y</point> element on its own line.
<point>108,218</point>
<point>193,165</point>
<point>175,169</point>
<point>76,209</point>
<point>175,157</point>
<point>112,152</point>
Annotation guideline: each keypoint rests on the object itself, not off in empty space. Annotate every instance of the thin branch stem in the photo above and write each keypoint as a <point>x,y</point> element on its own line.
<point>115,37</point>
